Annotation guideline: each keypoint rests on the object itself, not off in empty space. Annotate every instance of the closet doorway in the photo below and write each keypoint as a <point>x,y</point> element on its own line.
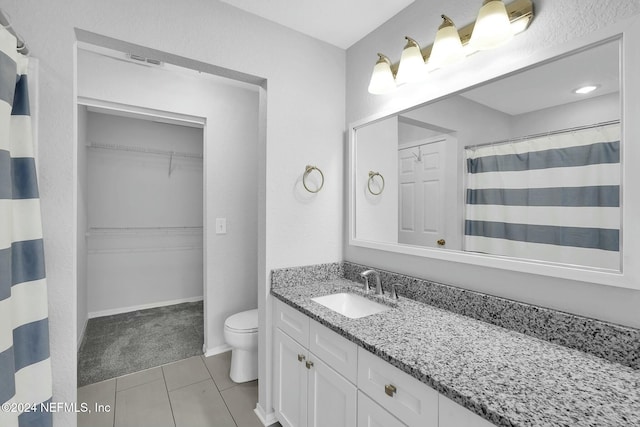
<point>119,87</point>
<point>144,238</point>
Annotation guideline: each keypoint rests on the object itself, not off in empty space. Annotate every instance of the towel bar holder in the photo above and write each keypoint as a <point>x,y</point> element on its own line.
<point>372,175</point>
<point>308,169</point>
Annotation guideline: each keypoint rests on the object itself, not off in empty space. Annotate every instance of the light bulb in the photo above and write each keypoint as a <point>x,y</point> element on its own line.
<point>382,77</point>
<point>447,47</point>
<point>493,27</point>
<point>412,67</point>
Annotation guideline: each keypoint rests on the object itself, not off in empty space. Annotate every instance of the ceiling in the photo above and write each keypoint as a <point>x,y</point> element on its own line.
<point>338,22</point>
<point>553,83</point>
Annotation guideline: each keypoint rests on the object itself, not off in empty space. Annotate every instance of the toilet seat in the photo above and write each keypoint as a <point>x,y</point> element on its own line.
<point>244,322</point>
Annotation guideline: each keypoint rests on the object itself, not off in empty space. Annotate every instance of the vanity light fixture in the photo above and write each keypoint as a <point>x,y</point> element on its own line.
<point>447,47</point>
<point>483,34</point>
<point>382,78</point>
<point>586,89</point>
<point>412,67</point>
<point>492,28</point>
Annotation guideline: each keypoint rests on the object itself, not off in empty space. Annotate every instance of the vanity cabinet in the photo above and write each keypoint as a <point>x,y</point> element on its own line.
<point>322,379</point>
<point>307,391</point>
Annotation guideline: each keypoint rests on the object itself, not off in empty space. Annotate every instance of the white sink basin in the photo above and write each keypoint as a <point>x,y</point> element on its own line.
<point>351,305</point>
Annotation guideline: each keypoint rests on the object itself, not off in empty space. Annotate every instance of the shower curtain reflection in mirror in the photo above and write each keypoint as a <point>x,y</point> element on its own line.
<point>552,198</point>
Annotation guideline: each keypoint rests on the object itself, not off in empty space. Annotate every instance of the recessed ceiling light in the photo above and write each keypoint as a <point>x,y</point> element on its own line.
<point>586,89</point>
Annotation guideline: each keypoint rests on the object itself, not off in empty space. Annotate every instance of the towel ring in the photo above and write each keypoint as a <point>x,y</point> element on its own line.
<point>372,175</point>
<point>307,170</point>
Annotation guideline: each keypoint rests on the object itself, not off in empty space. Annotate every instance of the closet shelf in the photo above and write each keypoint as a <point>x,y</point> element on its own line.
<point>135,231</point>
<point>142,250</point>
<point>144,150</point>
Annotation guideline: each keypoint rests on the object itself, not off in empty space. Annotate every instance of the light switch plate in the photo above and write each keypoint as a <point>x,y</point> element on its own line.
<point>221,225</point>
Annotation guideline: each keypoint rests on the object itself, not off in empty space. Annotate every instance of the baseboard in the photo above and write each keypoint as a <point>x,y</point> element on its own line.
<point>121,310</point>
<point>265,419</point>
<point>216,350</point>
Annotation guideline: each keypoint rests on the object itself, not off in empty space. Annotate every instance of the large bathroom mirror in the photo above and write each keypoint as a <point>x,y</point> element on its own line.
<point>527,166</point>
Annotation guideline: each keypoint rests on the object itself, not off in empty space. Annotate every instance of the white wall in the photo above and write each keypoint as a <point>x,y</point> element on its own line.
<point>81,266</point>
<point>305,119</point>
<point>555,22</point>
<point>138,253</point>
<point>230,151</point>
<point>408,133</point>
<point>466,119</point>
<point>129,189</point>
<point>377,150</point>
<point>589,111</point>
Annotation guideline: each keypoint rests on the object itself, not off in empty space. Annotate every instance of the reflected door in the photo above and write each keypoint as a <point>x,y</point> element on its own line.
<point>421,206</point>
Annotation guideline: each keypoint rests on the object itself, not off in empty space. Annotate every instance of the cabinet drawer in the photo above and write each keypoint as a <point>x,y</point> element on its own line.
<point>336,351</point>
<point>413,402</point>
<point>292,322</point>
<point>370,414</point>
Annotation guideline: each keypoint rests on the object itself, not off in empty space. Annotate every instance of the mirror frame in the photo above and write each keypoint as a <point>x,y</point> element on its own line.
<point>627,32</point>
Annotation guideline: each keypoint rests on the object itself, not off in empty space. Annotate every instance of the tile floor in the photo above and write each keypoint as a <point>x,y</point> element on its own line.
<point>193,392</point>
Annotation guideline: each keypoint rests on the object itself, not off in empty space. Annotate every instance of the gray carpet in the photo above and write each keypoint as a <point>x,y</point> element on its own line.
<point>130,342</point>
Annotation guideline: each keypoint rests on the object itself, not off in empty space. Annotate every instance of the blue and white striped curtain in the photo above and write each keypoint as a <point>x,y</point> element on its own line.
<point>25,368</point>
<point>554,198</point>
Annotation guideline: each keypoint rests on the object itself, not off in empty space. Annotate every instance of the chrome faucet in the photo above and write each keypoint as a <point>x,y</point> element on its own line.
<point>394,290</point>
<point>365,275</point>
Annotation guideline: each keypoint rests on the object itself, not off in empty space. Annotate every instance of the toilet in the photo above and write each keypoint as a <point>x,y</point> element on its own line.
<point>241,333</point>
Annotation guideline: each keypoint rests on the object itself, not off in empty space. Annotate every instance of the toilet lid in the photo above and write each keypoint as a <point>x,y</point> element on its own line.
<point>245,321</point>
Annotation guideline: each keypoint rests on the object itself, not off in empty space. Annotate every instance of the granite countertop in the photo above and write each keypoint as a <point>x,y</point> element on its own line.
<point>506,377</point>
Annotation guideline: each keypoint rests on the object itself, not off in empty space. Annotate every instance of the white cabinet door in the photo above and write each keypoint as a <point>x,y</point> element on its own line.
<point>332,399</point>
<point>290,381</point>
<point>370,414</point>
<point>454,415</point>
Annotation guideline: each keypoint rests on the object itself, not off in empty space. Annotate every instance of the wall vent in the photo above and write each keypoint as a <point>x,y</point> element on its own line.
<point>150,61</point>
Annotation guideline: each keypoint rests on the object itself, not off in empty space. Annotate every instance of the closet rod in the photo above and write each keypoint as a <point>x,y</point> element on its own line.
<point>144,150</point>
<point>540,135</point>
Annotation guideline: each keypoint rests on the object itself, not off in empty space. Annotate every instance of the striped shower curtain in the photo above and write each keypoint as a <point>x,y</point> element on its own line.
<point>25,369</point>
<point>555,198</point>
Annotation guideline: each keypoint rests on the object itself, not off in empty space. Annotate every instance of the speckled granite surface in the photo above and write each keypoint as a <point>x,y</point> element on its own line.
<point>293,276</point>
<point>506,377</point>
<point>613,342</point>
